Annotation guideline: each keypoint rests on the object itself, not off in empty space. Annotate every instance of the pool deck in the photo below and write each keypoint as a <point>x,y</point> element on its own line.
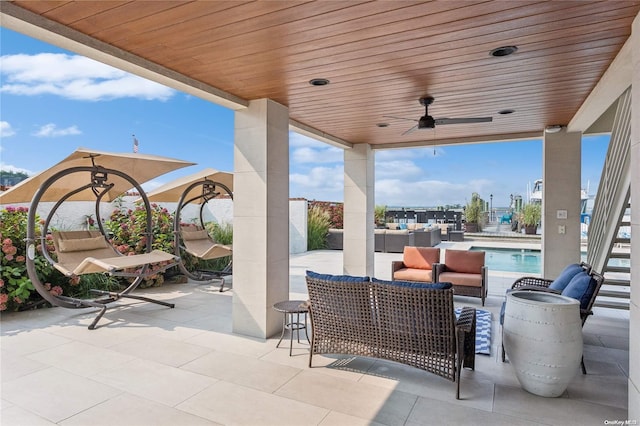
<point>149,365</point>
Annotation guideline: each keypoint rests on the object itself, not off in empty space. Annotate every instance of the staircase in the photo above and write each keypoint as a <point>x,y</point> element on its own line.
<point>615,292</point>
<point>609,246</point>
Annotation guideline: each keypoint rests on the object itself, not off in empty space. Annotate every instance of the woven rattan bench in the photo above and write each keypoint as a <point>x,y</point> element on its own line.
<point>411,323</point>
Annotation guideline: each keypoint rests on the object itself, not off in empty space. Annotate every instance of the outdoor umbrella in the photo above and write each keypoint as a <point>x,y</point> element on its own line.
<point>172,191</point>
<point>140,167</point>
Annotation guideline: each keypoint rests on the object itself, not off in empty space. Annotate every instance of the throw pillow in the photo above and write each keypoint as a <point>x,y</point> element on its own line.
<point>565,276</point>
<point>581,288</point>
<point>82,244</point>
<point>420,257</point>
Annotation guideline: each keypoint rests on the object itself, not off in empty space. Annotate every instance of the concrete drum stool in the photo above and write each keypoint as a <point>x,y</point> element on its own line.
<point>291,308</point>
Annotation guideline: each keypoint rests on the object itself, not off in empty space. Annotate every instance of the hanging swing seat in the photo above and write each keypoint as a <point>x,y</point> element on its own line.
<point>87,252</point>
<point>198,243</point>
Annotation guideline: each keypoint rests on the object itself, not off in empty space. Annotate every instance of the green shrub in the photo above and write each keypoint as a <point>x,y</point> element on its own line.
<point>128,228</point>
<point>16,289</point>
<point>318,224</point>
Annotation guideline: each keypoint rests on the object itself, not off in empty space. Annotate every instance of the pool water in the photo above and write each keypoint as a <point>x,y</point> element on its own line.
<point>512,260</point>
<point>524,260</point>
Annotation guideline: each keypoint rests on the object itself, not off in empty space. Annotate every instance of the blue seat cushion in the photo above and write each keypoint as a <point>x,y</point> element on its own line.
<point>344,278</point>
<point>565,277</point>
<point>415,284</point>
<point>581,288</point>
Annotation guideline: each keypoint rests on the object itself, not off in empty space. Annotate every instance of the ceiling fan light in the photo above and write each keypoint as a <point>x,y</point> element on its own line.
<point>426,122</point>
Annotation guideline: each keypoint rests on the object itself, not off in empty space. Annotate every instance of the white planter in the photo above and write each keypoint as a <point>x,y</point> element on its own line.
<point>542,335</point>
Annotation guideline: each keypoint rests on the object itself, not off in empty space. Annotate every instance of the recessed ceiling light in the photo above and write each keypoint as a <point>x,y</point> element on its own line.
<point>504,51</point>
<point>318,82</point>
<point>506,111</point>
<point>554,128</point>
<point>382,124</point>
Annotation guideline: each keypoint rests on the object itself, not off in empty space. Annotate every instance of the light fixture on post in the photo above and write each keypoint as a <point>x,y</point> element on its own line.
<point>553,128</point>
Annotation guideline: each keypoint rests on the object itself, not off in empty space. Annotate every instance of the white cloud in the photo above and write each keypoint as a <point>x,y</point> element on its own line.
<point>74,77</point>
<point>398,169</point>
<point>6,130</point>
<point>308,150</point>
<point>327,154</point>
<point>321,183</point>
<point>14,169</point>
<point>427,193</point>
<point>51,131</point>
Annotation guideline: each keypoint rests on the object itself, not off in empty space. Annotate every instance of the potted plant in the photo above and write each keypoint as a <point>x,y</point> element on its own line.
<point>473,214</point>
<point>531,215</point>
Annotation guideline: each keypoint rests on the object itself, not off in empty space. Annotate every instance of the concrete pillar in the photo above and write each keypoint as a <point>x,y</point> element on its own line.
<point>358,244</point>
<point>560,197</point>
<point>260,217</point>
<point>634,314</point>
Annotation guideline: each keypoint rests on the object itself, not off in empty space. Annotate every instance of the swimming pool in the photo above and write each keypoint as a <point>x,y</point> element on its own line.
<point>511,260</point>
<point>524,260</point>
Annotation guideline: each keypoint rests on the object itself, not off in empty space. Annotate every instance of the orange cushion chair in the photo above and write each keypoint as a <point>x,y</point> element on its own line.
<point>465,270</point>
<point>416,264</point>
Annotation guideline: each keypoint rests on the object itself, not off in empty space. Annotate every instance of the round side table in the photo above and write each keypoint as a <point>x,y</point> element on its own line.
<point>290,308</point>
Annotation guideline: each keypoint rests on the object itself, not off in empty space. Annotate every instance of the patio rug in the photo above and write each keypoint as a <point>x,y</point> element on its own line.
<point>483,331</point>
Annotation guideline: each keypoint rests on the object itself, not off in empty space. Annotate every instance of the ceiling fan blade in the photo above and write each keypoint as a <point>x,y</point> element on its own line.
<point>410,130</point>
<point>463,120</point>
<point>398,118</point>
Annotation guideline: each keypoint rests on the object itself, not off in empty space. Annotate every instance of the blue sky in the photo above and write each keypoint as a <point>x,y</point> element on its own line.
<point>53,101</point>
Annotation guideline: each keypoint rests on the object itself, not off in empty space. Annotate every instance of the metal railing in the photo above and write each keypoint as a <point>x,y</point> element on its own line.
<point>613,193</point>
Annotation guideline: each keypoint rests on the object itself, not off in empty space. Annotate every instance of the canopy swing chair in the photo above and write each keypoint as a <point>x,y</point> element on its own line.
<point>83,176</point>
<point>197,190</point>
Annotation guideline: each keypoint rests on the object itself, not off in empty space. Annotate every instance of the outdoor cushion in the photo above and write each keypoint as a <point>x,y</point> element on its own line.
<point>403,226</point>
<point>464,261</point>
<point>420,257</point>
<point>195,235</point>
<point>411,284</point>
<point>565,277</point>
<point>461,278</point>
<point>329,277</point>
<point>413,274</point>
<point>581,288</point>
<point>81,244</point>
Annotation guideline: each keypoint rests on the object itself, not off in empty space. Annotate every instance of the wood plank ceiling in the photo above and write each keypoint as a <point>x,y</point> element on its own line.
<point>380,57</point>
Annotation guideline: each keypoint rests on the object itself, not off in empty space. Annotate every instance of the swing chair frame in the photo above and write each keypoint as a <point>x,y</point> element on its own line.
<point>208,193</point>
<point>100,186</point>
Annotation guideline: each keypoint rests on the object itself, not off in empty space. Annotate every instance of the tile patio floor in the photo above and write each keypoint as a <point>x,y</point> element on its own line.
<point>150,365</point>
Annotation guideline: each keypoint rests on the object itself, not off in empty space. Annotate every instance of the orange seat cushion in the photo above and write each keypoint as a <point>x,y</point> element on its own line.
<point>420,257</point>
<point>463,261</point>
<point>413,274</point>
<point>458,278</point>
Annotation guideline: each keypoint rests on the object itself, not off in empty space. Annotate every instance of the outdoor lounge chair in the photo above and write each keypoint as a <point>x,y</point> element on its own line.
<point>88,252</point>
<point>198,243</point>
<point>578,281</point>
<point>416,264</point>
<point>464,269</point>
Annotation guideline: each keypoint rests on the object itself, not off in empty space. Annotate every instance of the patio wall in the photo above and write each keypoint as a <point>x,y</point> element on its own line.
<point>73,215</point>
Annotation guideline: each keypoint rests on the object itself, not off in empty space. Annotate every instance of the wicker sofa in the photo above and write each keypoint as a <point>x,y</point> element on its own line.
<point>410,323</point>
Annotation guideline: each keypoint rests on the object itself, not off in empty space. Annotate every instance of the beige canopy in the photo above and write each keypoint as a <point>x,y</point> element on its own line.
<point>140,167</point>
<point>172,191</point>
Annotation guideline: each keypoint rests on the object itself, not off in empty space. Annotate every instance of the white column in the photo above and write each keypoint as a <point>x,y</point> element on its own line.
<point>561,194</point>
<point>358,245</point>
<point>260,217</point>
<point>634,314</point>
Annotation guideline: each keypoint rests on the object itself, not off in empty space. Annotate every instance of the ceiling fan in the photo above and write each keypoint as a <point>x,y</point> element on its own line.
<point>428,122</point>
